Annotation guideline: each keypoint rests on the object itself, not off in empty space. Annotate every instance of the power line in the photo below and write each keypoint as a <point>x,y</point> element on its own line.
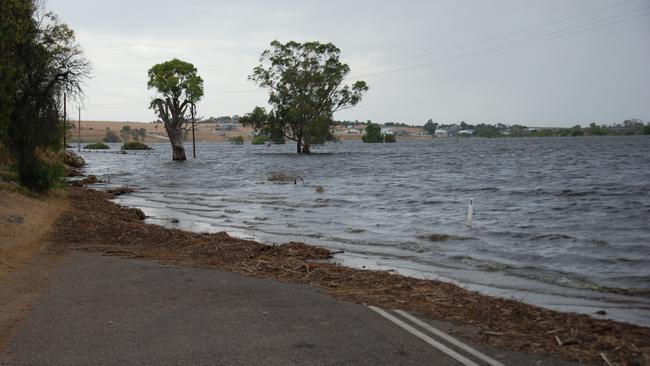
<point>547,36</point>
<point>504,35</point>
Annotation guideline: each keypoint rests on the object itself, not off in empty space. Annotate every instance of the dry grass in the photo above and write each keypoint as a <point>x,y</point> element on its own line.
<point>94,131</point>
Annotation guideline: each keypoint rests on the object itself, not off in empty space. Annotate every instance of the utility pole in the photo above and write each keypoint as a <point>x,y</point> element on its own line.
<point>79,132</point>
<point>65,123</point>
<point>192,109</point>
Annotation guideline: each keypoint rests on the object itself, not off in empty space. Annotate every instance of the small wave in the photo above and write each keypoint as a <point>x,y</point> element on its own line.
<point>481,264</point>
<point>413,247</point>
<point>553,237</point>
<point>435,237</point>
<point>354,230</point>
<point>572,193</point>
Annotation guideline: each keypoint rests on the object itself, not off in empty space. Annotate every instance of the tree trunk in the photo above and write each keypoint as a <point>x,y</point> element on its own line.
<point>299,144</point>
<point>176,139</point>
<point>305,149</point>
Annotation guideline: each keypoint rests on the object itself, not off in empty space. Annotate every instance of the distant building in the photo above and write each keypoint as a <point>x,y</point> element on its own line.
<point>442,133</point>
<point>466,132</point>
<point>387,131</point>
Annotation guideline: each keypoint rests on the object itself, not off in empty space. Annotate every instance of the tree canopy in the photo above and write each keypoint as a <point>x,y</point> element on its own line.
<point>179,87</point>
<point>430,127</point>
<point>373,133</point>
<point>40,62</point>
<point>306,87</point>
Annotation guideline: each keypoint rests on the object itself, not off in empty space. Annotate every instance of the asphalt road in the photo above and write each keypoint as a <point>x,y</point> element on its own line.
<point>103,310</point>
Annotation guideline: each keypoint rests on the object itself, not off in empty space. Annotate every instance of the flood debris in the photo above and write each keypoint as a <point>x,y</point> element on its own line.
<point>93,223</point>
<point>91,179</point>
<point>119,191</point>
<point>73,160</point>
<point>72,163</point>
<point>285,178</point>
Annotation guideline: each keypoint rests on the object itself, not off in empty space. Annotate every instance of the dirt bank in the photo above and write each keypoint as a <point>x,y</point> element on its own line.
<point>26,256</point>
<point>93,223</point>
<point>24,225</point>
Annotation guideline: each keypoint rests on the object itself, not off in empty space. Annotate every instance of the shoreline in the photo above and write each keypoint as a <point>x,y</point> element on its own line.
<point>94,223</point>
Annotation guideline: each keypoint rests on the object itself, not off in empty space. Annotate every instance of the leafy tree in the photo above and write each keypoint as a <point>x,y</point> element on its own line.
<point>577,132</point>
<point>111,136</point>
<point>125,133</point>
<point>646,129</point>
<point>596,130</point>
<point>179,86</point>
<point>259,139</point>
<point>140,134</point>
<point>373,133</point>
<point>39,62</point>
<point>430,127</point>
<point>305,84</point>
<point>485,130</point>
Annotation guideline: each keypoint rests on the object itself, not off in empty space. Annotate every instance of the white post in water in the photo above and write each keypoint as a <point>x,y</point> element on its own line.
<point>470,213</point>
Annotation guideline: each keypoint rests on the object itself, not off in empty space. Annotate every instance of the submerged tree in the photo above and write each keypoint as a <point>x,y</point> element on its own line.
<point>40,62</point>
<point>430,127</point>
<point>373,133</point>
<point>305,84</point>
<point>179,87</point>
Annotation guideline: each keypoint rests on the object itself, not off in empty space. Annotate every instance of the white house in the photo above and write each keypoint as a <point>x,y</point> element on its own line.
<point>387,131</point>
<point>442,133</point>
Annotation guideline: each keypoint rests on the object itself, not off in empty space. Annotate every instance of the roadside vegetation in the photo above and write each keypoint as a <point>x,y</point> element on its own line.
<point>40,64</point>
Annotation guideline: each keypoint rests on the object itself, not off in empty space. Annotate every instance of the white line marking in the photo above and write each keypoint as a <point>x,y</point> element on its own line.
<point>450,339</point>
<point>448,351</point>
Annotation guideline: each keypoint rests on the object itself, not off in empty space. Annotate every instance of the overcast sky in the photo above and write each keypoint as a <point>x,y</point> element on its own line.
<point>534,62</point>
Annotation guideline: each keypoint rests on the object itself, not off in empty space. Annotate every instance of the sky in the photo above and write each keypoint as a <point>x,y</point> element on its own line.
<point>542,63</point>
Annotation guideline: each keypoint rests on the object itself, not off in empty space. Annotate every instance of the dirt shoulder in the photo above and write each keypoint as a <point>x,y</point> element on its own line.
<point>95,224</point>
<point>27,257</point>
<point>24,225</point>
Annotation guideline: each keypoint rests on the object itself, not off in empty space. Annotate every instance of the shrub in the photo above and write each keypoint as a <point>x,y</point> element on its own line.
<point>97,146</point>
<point>389,138</point>
<point>237,140</point>
<point>43,172</point>
<point>135,145</point>
<point>259,140</point>
<point>373,133</point>
<point>111,136</point>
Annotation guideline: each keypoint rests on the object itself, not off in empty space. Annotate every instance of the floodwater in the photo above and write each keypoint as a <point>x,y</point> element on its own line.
<point>558,222</point>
